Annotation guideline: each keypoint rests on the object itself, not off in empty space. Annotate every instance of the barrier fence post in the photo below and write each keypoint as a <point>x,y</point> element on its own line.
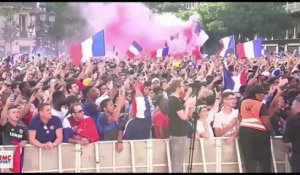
<point>114,156</point>
<point>149,156</point>
<point>218,155</point>
<point>287,163</point>
<point>78,158</point>
<point>203,155</point>
<point>132,156</point>
<point>168,155</point>
<point>59,159</point>
<point>40,160</point>
<point>273,156</point>
<point>97,157</point>
<point>237,148</point>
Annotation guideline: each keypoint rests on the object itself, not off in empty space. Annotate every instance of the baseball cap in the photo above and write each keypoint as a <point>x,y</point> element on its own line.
<point>155,79</point>
<point>276,72</point>
<point>87,81</point>
<point>265,73</point>
<point>228,90</point>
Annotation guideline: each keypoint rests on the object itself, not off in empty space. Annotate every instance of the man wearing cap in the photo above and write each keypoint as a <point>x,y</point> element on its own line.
<point>255,130</point>
<point>155,83</point>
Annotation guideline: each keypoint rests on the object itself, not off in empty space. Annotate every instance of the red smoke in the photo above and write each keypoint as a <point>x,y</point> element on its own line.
<point>126,22</point>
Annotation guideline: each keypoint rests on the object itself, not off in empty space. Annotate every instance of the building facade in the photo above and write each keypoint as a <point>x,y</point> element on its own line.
<point>23,40</point>
<point>189,5</point>
<point>291,41</point>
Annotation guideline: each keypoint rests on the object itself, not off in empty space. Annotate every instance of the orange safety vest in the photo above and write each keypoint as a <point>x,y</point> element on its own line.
<point>250,115</point>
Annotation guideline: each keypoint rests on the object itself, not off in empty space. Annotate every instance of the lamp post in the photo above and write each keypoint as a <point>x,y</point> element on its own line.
<point>41,21</point>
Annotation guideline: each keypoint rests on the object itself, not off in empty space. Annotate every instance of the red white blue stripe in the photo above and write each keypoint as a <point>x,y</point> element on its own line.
<point>92,47</point>
<point>201,36</point>
<point>134,49</point>
<point>251,49</point>
<point>162,52</point>
<point>228,45</point>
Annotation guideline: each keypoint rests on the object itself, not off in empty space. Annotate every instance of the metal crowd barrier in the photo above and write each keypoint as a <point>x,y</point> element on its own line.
<point>142,156</point>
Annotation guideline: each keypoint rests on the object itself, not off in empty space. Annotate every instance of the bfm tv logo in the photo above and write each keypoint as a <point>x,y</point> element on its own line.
<point>6,159</point>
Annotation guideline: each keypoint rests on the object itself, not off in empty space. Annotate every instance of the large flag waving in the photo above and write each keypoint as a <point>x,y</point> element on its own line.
<point>201,36</point>
<point>227,46</point>
<point>198,42</point>
<point>251,49</point>
<point>92,47</point>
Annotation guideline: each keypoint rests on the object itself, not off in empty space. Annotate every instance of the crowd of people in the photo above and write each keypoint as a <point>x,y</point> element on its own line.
<point>45,102</point>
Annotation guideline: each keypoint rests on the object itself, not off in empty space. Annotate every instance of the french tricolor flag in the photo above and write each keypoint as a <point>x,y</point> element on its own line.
<point>251,49</point>
<point>134,50</point>
<point>201,36</point>
<point>92,47</point>
<point>162,52</point>
<point>227,46</point>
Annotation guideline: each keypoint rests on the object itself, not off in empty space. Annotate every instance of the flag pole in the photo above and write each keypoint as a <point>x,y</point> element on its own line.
<point>234,51</point>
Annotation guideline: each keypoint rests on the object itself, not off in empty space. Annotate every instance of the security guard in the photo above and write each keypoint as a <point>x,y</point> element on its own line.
<point>255,130</point>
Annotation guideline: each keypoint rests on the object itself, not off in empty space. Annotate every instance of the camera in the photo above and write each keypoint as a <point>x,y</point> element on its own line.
<point>196,86</point>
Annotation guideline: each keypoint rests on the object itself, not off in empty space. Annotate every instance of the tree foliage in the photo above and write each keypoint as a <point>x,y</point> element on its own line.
<point>247,19</point>
<point>68,22</point>
<point>161,7</point>
<point>184,14</point>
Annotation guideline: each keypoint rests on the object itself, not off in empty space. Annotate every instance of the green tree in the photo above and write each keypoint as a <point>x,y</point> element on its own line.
<point>250,19</point>
<point>68,22</point>
<point>245,19</point>
<point>161,7</point>
<point>184,14</point>
<point>170,7</point>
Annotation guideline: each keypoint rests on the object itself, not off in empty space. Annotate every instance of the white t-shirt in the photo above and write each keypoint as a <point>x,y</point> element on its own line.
<point>60,114</point>
<point>222,120</point>
<point>201,129</point>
